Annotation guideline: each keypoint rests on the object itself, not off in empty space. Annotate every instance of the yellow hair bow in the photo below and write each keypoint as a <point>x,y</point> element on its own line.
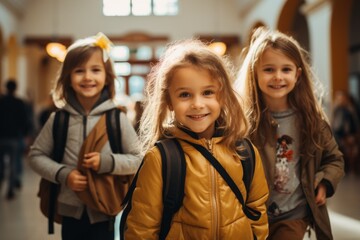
<point>99,40</point>
<point>103,41</point>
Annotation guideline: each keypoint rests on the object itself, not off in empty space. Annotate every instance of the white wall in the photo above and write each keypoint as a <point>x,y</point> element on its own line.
<point>319,32</point>
<point>265,11</point>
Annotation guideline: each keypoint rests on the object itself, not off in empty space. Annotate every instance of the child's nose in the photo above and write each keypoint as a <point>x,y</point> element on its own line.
<point>197,103</point>
<point>278,75</point>
<point>87,75</point>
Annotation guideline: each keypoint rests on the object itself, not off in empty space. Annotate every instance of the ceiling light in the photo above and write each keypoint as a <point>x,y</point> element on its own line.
<point>218,47</point>
<point>56,50</point>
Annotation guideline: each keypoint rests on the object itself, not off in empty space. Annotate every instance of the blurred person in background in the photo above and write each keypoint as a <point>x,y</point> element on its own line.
<point>14,127</point>
<point>346,127</point>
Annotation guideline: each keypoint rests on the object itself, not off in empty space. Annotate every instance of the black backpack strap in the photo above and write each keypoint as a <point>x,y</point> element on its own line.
<point>173,173</point>
<point>249,212</point>
<point>248,164</point>
<point>60,130</point>
<point>127,203</point>
<point>113,129</point>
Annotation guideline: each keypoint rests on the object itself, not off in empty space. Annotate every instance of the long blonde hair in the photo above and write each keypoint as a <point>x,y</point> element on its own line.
<point>156,118</point>
<point>303,98</point>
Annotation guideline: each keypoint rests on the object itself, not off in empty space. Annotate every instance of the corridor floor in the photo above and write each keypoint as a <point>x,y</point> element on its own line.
<point>20,218</point>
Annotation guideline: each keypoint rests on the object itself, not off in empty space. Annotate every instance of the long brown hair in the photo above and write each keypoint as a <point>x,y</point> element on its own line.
<point>303,98</point>
<point>74,58</point>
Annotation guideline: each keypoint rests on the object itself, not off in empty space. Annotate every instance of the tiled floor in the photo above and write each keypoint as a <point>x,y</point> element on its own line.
<point>20,218</point>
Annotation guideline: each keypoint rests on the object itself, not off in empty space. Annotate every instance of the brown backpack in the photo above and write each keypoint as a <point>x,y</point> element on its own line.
<point>105,191</point>
<point>48,191</point>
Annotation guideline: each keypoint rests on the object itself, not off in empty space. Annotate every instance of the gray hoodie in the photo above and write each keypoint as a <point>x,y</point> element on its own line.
<point>80,126</point>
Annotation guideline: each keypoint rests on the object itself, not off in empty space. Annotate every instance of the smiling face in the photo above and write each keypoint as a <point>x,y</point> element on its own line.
<point>88,79</point>
<point>276,75</point>
<point>193,95</point>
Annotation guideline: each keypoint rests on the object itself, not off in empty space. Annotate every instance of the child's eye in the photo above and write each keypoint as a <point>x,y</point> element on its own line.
<point>268,70</point>
<point>287,69</point>
<point>208,92</point>
<point>96,69</point>
<point>78,70</point>
<point>184,95</point>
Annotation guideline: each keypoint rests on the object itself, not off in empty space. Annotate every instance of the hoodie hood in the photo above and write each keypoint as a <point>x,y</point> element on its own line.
<point>103,104</point>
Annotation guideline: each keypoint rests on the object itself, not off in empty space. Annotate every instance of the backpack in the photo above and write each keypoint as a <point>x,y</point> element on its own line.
<point>173,174</point>
<point>60,129</point>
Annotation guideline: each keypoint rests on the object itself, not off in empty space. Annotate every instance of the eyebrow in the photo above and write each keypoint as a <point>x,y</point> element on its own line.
<point>272,64</point>
<point>189,88</point>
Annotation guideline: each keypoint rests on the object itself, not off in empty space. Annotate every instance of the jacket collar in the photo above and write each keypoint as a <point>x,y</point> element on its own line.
<point>186,134</point>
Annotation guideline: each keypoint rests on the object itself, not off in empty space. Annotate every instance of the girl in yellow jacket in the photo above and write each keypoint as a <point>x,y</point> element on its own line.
<point>190,98</point>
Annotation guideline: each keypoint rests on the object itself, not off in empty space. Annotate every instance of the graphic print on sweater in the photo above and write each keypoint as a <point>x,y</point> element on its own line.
<point>284,155</point>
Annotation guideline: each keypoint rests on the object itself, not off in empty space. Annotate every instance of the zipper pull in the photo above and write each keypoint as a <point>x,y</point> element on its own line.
<point>209,145</point>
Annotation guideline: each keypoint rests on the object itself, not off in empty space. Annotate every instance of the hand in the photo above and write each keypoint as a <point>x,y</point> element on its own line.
<point>76,181</point>
<point>92,160</point>
<point>320,198</point>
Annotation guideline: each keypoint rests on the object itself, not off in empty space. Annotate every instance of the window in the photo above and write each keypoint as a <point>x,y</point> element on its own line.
<point>140,7</point>
<point>133,56</point>
<point>131,65</point>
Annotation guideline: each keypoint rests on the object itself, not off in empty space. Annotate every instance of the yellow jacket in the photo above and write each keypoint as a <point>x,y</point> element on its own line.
<point>210,209</point>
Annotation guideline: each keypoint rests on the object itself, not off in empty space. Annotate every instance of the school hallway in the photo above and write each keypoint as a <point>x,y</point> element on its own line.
<point>21,218</point>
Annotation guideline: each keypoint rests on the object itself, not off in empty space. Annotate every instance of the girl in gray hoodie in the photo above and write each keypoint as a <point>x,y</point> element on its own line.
<point>85,89</point>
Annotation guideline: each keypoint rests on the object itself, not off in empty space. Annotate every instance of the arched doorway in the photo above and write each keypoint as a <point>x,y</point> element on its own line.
<point>293,22</point>
<point>256,25</point>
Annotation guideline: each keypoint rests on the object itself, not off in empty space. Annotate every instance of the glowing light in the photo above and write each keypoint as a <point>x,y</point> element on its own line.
<point>218,47</point>
<point>56,50</point>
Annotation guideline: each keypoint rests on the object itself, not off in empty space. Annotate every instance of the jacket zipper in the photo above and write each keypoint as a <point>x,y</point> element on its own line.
<point>209,145</point>
<point>214,197</point>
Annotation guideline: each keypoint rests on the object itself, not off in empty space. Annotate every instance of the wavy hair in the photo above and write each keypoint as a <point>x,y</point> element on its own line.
<point>304,98</point>
<point>156,118</point>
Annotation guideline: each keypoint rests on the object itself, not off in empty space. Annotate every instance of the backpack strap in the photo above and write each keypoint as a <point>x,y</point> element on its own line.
<point>60,130</point>
<point>248,164</point>
<point>113,129</point>
<point>249,212</point>
<point>127,204</point>
<point>173,173</point>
